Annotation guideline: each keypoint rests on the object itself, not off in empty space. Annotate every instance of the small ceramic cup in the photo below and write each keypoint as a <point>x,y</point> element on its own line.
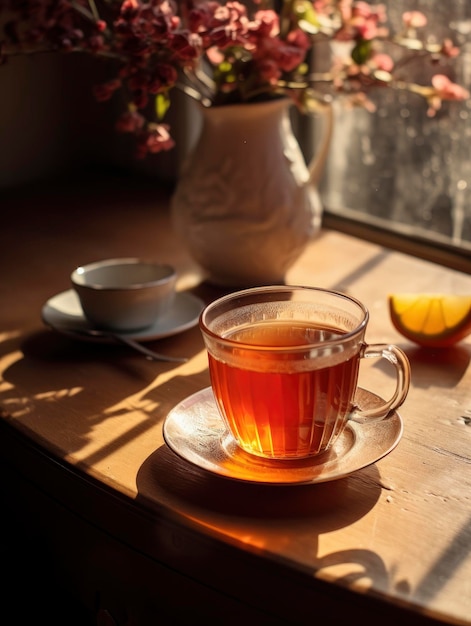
<point>124,295</point>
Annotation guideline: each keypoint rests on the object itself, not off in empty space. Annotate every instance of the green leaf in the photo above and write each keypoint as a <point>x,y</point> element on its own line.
<point>361,52</point>
<point>305,12</point>
<point>308,27</point>
<point>225,67</point>
<point>162,105</point>
<point>302,70</point>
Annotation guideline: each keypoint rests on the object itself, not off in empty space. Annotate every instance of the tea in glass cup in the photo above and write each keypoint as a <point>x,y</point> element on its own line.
<point>284,364</point>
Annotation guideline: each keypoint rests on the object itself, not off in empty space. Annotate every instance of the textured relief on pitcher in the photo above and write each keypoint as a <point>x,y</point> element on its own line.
<point>245,204</point>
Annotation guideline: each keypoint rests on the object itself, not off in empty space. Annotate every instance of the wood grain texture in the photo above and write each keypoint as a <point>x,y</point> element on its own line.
<point>130,523</point>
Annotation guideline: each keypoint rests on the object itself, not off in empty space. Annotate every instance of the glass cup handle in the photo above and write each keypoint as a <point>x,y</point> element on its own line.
<point>399,360</point>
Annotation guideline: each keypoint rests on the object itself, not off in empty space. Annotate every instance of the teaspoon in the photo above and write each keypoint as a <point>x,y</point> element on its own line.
<point>155,356</point>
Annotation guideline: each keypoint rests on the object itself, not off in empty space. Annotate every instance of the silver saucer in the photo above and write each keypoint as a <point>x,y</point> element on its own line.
<point>195,431</point>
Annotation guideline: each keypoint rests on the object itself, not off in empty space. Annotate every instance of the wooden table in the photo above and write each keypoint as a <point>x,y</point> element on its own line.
<point>144,537</point>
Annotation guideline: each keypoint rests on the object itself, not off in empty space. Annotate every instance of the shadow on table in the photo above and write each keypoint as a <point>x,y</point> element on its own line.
<point>442,367</point>
<point>285,523</point>
<point>195,491</point>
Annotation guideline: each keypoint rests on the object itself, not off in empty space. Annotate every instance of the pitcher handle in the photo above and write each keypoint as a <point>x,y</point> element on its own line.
<point>318,161</point>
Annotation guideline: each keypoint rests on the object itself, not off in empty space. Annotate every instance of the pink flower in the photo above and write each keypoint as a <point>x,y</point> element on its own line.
<point>265,24</point>
<point>382,62</point>
<point>414,19</point>
<point>130,122</point>
<point>228,51</point>
<point>186,46</point>
<point>130,8</point>
<point>448,49</point>
<point>289,57</point>
<point>201,16</point>
<point>286,56</point>
<point>444,89</point>
<point>361,21</point>
<point>448,90</point>
<point>299,39</point>
<point>158,138</point>
<point>230,19</point>
<point>371,14</point>
<point>215,55</point>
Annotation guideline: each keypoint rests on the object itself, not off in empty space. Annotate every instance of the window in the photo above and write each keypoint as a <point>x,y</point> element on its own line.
<point>400,175</point>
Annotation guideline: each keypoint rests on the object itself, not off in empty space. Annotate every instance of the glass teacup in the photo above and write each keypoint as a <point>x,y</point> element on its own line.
<point>284,364</point>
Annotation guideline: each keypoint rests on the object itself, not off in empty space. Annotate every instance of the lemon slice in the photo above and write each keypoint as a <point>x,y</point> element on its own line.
<point>431,319</point>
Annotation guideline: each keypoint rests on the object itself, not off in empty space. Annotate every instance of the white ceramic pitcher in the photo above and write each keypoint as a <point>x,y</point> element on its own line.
<point>246,204</point>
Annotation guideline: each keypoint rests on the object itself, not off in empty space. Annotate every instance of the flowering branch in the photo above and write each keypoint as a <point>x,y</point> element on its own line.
<point>219,54</point>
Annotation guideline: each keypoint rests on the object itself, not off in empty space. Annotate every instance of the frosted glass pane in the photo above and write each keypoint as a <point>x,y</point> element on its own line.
<point>398,168</point>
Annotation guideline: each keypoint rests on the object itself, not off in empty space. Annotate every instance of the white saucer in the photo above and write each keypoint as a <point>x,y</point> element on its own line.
<point>64,313</point>
<point>195,431</point>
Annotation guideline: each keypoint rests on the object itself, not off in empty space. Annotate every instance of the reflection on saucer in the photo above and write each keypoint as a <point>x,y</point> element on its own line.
<point>195,431</point>
<point>64,313</point>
